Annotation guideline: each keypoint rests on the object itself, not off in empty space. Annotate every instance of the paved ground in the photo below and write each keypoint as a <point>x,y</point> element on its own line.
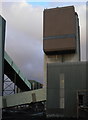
<point>28,116</point>
<point>41,119</point>
<point>23,117</point>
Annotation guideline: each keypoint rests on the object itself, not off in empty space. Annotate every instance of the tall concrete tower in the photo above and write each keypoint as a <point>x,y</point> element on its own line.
<point>61,44</point>
<point>61,39</point>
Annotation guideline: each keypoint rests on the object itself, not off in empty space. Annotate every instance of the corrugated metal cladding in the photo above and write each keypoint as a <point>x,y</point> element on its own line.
<point>59,33</point>
<point>75,78</point>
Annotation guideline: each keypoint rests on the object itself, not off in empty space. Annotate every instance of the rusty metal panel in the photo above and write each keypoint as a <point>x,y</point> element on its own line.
<point>59,44</point>
<point>59,33</point>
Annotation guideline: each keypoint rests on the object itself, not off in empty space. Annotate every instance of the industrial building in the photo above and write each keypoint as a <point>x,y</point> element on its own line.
<point>65,75</point>
<point>65,93</point>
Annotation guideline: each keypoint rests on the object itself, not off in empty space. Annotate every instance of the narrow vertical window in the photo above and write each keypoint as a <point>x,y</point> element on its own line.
<point>62,90</point>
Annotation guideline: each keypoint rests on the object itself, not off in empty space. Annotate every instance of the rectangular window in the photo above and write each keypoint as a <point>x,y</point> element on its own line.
<point>62,103</point>
<point>62,90</point>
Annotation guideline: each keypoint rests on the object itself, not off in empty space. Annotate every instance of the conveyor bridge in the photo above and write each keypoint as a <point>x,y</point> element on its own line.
<point>12,71</point>
<point>24,98</point>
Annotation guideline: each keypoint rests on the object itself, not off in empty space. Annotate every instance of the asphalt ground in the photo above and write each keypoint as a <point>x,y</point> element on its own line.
<point>28,117</point>
<point>24,115</point>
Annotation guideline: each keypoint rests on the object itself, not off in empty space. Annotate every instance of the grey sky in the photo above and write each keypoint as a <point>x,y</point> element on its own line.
<point>24,35</point>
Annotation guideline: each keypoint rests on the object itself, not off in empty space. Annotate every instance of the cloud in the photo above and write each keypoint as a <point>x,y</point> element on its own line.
<point>24,38</point>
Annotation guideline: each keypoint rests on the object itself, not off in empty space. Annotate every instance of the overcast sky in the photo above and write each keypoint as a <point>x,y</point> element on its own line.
<point>24,33</point>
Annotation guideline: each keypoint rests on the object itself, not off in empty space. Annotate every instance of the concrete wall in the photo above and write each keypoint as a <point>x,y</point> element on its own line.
<point>74,79</point>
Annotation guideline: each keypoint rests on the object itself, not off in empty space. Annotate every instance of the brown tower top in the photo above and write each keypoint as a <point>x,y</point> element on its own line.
<point>59,33</point>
